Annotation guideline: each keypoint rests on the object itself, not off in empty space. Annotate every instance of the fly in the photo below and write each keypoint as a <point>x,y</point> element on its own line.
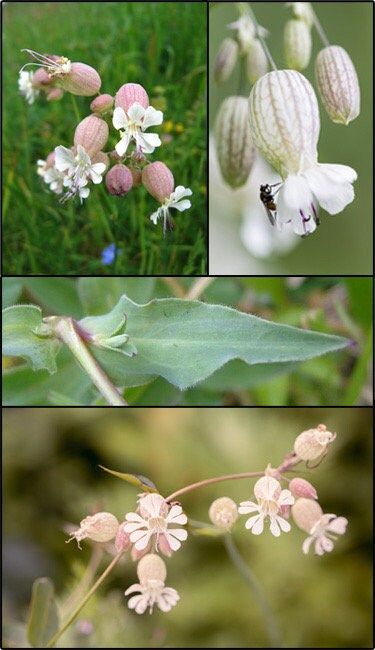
<point>268,199</point>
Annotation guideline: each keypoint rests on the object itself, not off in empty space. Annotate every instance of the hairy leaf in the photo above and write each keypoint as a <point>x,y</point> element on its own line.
<point>99,294</point>
<point>20,340</point>
<point>43,615</point>
<point>186,341</point>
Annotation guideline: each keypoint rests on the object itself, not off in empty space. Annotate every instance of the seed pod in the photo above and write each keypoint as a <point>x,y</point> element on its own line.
<point>81,80</point>
<point>119,180</point>
<point>225,60</point>
<point>101,157</point>
<point>256,61</point>
<point>92,133</point>
<point>54,94</point>
<point>128,94</point>
<point>338,85</point>
<point>234,146</point>
<point>313,443</point>
<point>284,120</point>
<point>299,487</point>
<point>101,527</point>
<point>223,512</point>
<point>297,44</point>
<point>306,513</point>
<point>158,181</point>
<point>151,567</point>
<point>102,103</point>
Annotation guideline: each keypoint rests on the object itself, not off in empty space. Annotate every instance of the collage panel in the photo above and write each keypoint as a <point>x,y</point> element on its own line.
<point>187,528</point>
<point>104,138</point>
<point>224,341</point>
<point>291,131</point>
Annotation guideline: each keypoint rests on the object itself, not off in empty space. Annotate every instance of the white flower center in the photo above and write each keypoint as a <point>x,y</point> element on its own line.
<point>157,524</point>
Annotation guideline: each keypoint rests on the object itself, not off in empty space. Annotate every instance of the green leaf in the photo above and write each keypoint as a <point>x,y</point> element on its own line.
<point>19,339</point>
<point>99,294</point>
<point>12,289</point>
<point>43,615</point>
<point>137,480</point>
<point>58,295</point>
<point>237,375</point>
<point>186,341</point>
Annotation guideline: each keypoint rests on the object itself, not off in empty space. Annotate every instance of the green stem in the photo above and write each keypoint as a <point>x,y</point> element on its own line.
<point>85,581</point>
<point>319,28</point>
<point>261,39</point>
<point>65,330</point>
<point>271,624</point>
<point>83,602</point>
<point>75,107</point>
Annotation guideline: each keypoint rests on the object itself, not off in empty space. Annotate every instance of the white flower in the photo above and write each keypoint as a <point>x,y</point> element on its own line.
<point>245,32</point>
<point>25,86</point>
<point>285,125</point>
<point>323,532</point>
<point>270,499</point>
<point>51,176</point>
<point>173,201</point>
<point>153,522</point>
<point>134,123</point>
<point>79,170</point>
<point>153,592</point>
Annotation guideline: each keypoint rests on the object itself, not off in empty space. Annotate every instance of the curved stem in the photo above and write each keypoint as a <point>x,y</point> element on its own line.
<point>209,481</point>
<point>319,28</point>
<point>83,602</point>
<point>75,107</point>
<point>174,286</point>
<point>268,615</point>
<point>198,287</point>
<point>66,331</point>
<point>261,39</point>
<point>85,581</point>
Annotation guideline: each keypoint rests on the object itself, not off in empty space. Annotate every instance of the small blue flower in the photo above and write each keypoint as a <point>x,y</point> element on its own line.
<point>109,254</point>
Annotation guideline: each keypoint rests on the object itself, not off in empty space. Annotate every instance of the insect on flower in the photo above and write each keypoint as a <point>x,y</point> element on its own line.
<point>268,200</point>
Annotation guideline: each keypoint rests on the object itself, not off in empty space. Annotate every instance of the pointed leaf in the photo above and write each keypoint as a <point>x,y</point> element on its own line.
<point>43,615</point>
<point>186,341</point>
<point>20,340</point>
<point>137,480</point>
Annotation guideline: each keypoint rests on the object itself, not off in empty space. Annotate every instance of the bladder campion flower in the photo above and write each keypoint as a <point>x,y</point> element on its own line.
<point>337,83</point>
<point>79,170</point>
<point>158,180</point>
<point>154,521</point>
<point>25,85</point>
<point>322,528</point>
<point>223,512</point>
<point>152,573</point>
<point>234,145</point>
<point>311,444</point>
<point>271,498</point>
<point>132,125</point>
<point>101,527</point>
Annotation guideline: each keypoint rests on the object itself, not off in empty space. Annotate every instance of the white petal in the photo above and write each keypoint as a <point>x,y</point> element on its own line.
<point>247,506</point>
<point>136,112</point>
<point>306,544</point>
<point>341,173</point>
<point>82,155</point>
<point>255,524</point>
<point>295,204</point>
<point>141,542</point>
<point>64,159</point>
<point>98,168</point>
<point>119,119</point>
<point>338,525</point>
<point>274,527</point>
<point>327,544</point>
<point>132,589</point>
<point>134,516</point>
<point>147,141</point>
<point>180,192</point>
<point>151,118</point>
<point>84,192</point>
<point>156,215</point>
<point>179,533</point>
<point>173,542</point>
<point>122,146</point>
<point>131,527</point>
<point>266,487</point>
<point>181,205</point>
<point>286,498</point>
<point>333,196</point>
<point>138,603</point>
<point>284,524</point>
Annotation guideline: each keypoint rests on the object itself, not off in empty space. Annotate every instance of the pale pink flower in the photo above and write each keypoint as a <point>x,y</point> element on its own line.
<point>323,532</point>
<point>152,573</point>
<point>271,500</point>
<point>154,521</point>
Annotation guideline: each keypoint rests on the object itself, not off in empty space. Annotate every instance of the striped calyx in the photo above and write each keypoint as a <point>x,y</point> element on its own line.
<point>297,44</point>
<point>225,60</point>
<point>158,180</point>
<point>130,93</point>
<point>81,80</point>
<point>92,134</point>
<point>234,146</point>
<point>256,61</point>
<point>284,121</point>
<point>337,83</point>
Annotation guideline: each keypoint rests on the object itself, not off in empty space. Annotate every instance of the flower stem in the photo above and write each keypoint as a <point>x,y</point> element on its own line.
<point>174,286</point>
<point>83,602</point>
<point>85,581</point>
<point>198,288</point>
<point>271,625</point>
<point>319,28</point>
<point>75,107</point>
<point>67,333</point>
<point>261,39</point>
<point>209,481</point>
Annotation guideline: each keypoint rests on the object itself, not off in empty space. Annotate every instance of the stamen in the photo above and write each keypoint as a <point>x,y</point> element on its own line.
<point>42,58</point>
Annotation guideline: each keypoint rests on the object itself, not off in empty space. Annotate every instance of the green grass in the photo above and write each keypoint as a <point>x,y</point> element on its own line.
<point>161,45</point>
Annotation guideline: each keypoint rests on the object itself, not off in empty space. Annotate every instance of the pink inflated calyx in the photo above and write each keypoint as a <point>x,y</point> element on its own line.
<point>119,180</point>
<point>92,134</point>
<point>128,94</point>
<point>299,487</point>
<point>41,78</point>
<point>81,80</point>
<point>55,94</point>
<point>158,181</point>
<point>102,103</point>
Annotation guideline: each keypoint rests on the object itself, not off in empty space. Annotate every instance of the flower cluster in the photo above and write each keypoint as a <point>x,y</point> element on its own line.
<point>70,171</point>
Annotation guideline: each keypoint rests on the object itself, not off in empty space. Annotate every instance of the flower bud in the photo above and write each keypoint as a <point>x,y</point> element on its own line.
<point>41,78</point>
<point>158,180</point>
<point>301,488</point>
<point>225,60</point>
<point>256,61</point>
<point>101,527</point>
<point>54,94</point>
<point>223,512</point>
<point>302,11</point>
<point>119,180</point>
<point>151,567</point>
<point>101,157</point>
<point>92,133</point>
<point>234,146</point>
<point>128,94</point>
<point>337,83</point>
<point>306,513</point>
<point>313,443</point>
<point>297,44</point>
<point>122,541</point>
<point>102,103</point>
<point>284,120</point>
<point>81,80</point>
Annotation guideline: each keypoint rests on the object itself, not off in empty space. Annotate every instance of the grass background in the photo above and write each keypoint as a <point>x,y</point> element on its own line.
<point>318,602</point>
<point>343,243</point>
<point>161,45</point>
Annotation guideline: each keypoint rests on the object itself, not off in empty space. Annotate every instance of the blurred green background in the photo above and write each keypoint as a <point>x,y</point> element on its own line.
<point>51,477</point>
<point>161,45</point>
<point>343,244</point>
